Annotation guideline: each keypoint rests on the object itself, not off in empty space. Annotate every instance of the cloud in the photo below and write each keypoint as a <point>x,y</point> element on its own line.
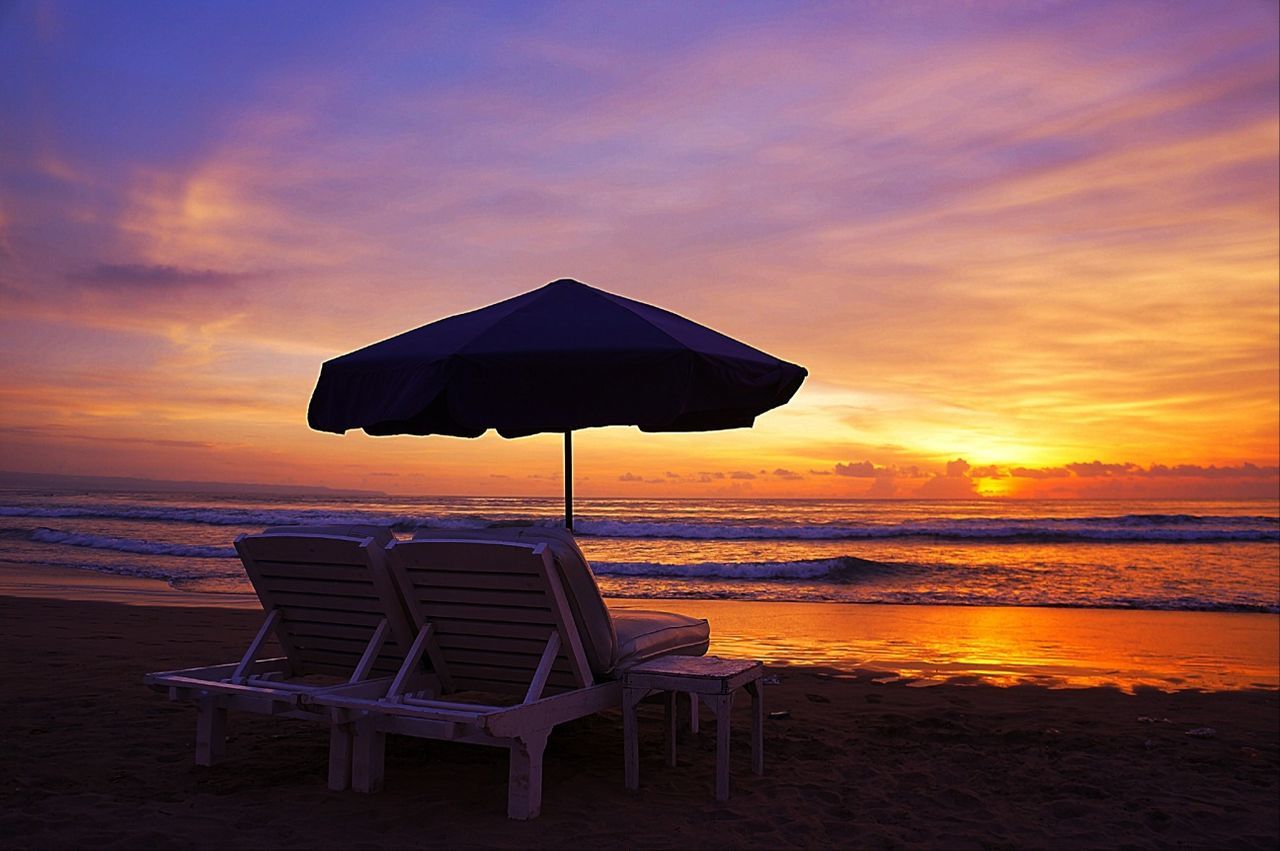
<point>1092,469</point>
<point>957,468</point>
<point>990,471</point>
<point>789,475</point>
<point>857,470</point>
<point>957,486</point>
<point>868,470</point>
<point>1040,472</point>
<point>1241,471</point>
<point>1129,480</point>
<point>630,477</point>
<point>143,276</point>
<point>741,474</point>
<point>44,431</point>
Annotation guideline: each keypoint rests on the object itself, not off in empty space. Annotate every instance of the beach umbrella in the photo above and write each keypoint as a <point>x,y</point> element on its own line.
<point>563,357</point>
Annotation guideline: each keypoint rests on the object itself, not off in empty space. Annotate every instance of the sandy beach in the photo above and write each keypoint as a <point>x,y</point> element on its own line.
<point>911,366</point>
<point>860,759</point>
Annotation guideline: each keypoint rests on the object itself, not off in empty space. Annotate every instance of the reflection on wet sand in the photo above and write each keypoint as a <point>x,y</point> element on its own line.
<point>1003,645</point>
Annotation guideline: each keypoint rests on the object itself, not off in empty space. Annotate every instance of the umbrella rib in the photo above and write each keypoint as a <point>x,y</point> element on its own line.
<point>627,304</point>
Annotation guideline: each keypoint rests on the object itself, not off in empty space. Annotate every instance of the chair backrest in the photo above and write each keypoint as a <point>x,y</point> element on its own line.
<point>595,624</point>
<point>382,535</point>
<point>330,593</point>
<point>493,606</point>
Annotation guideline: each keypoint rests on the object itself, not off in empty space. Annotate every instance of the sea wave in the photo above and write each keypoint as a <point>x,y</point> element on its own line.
<point>1125,528</point>
<point>846,579</point>
<point>784,593</point>
<point>129,545</point>
<point>839,569</point>
<point>249,517</point>
<point>1135,528</point>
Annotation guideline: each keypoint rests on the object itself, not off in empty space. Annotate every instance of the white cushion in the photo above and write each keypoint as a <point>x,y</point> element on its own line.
<point>644,634</point>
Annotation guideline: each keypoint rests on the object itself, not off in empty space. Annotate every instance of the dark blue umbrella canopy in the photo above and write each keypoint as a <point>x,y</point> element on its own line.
<point>562,357</point>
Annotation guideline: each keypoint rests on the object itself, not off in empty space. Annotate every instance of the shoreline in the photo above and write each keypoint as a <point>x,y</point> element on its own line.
<point>922,645</point>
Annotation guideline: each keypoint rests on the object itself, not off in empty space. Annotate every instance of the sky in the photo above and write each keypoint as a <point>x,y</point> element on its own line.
<point>1024,249</point>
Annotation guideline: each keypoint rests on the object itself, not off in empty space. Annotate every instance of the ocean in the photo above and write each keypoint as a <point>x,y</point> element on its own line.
<point>1185,555</point>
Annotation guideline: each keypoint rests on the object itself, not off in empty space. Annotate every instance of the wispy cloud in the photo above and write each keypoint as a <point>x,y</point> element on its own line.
<point>153,277</point>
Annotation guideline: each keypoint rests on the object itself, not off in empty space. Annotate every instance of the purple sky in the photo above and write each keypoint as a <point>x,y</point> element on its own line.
<point>1028,235</point>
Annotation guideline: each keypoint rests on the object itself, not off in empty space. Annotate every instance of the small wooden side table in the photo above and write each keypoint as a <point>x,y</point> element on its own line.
<point>710,678</point>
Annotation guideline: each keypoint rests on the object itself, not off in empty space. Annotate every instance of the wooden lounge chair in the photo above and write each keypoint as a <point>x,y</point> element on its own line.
<point>329,604</point>
<point>505,626</point>
<point>614,639</point>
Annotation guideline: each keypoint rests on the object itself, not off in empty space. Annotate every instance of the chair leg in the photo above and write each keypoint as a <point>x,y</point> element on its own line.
<point>524,776</point>
<point>211,731</point>
<point>340,752</point>
<point>630,737</point>
<point>368,756</point>
<point>670,717</point>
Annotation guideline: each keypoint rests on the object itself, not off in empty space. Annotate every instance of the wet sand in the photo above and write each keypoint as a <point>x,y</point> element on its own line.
<point>996,644</point>
<point>94,758</point>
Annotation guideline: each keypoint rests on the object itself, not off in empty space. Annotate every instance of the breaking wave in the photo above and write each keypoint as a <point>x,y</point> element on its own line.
<point>1155,528</point>
<point>129,545</point>
<point>837,569</point>
<point>843,578</point>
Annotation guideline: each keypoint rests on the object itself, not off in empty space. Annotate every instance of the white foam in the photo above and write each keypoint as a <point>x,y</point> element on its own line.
<point>129,545</point>
<point>1136,528</point>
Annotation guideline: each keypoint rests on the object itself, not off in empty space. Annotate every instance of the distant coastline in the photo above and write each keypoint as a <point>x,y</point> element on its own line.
<point>58,481</point>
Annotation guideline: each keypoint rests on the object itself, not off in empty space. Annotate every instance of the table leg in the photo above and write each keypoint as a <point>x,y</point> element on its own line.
<point>757,726</point>
<point>723,705</point>
<point>693,712</point>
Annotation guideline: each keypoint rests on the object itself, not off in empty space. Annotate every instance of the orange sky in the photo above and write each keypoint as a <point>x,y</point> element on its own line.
<point>1025,250</point>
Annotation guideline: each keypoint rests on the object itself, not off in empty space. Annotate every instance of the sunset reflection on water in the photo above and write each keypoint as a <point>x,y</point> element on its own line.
<point>1056,647</point>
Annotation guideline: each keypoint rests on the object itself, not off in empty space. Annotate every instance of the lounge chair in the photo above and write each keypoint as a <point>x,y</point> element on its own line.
<point>326,594</point>
<point>614,639</point>
<point>518,623</point>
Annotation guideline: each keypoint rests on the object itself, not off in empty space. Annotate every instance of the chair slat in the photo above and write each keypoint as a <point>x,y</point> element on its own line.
<point>475,579</point>
<point>316,629</point>
<point>306,549</point>
<point>460,557</point>
<point>297,585</point>
<point>447,627</point>
<point>430,595</point>
<point>504,644</point>
<point>354,602</point>
<point>523,661</point>
<point>335,616</point>
<point>494,614</point>
<point>313,570</point>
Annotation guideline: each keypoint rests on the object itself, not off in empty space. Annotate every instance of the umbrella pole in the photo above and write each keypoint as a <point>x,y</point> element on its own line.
<point>568,481</point>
